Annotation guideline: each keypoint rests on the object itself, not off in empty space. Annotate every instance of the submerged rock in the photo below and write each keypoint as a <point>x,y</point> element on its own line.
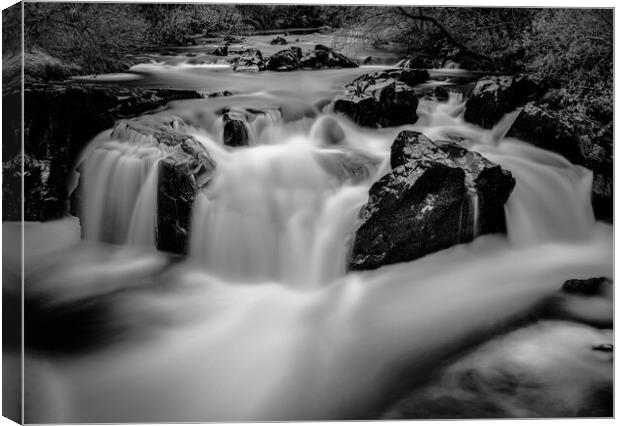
<point>325,57</point>
<point>580,139</point>
<point>351,166</point>
<point>381,99</point>
<point>492,97</point>
<point>436,195</point>
<point>327,131</point>
<point>284,60</point>
<point>250,60</point>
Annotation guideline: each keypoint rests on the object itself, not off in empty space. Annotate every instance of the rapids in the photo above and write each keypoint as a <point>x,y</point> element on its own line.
<point>261,321</point>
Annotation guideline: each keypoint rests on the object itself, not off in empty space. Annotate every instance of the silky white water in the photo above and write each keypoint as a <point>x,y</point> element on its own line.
<point>261,321</point>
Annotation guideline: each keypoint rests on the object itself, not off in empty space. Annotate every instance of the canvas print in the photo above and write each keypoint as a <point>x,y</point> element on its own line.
<point>235,212</point>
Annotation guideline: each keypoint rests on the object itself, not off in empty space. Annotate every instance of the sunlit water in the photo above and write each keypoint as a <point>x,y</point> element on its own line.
<point>262,322</point>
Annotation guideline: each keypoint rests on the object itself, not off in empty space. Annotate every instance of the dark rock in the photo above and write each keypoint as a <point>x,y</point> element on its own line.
<point>232,39</point>
<point>284,60</point>
<point>181,175</point>
<point>418,61</point>
<point>190,54</point>
<point>367,60</point>
<point>441,93</point>
<point>325,57</point>
<point>59,122</point>
<point>580,139</point>
<point>279,40</point>
<point>492,97</point>
<point>380,99</point>
<point>426,203</point>
<point>221,51</point>
<point>606,347</point>
<point>250,60</point>
<point>588,287</point>
<point>235,129</point>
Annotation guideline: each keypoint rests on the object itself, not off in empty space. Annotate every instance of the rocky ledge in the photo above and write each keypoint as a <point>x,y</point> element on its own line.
<point>436,195</point>
<point>60,120</point>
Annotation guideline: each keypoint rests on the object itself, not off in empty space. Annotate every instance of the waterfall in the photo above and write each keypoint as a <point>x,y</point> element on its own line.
<point>274,213</point>
<point>118,193</point>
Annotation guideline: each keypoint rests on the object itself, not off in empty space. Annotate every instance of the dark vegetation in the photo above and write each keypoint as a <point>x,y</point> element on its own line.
<point>571,49</point>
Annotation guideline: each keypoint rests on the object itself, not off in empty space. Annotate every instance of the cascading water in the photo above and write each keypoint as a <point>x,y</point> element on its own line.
<point>278,216</point>
<point>120,180</point>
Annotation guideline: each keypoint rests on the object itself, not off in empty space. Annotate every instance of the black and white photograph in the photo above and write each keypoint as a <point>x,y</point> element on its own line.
<point>254,212</point>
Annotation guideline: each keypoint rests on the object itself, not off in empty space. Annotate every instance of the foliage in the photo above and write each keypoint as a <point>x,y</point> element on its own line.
<point>94,36</point>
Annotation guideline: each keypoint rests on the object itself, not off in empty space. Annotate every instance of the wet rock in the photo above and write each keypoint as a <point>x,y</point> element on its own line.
<point>181,175</point>
<point>233,39</point>
<point>379,100</point>
<point>284,60</point>
<point>606,347</point>
<point>428,202</point>
<point>221,51</point>
<point>588,287</point>
<point>418,61</point>
<point>441,94</point>
<point>325,57</point>
<point>59,122</point>
<point>250,60</point>
<point>235,129</point>
<point>279,40</point>
<point>492,97</point>
<point>580,139</point>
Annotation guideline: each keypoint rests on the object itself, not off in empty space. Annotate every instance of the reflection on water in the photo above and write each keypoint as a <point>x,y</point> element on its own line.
<point>261,321</point>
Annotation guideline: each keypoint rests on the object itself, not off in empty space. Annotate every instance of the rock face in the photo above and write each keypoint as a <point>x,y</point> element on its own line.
<point>492,97</point>
<point>325,57</point>
<point>580,139</point>
<point>250,60</point>
<point>279,40</point>
<point>381,99</point>
<point>436,195</point>
<point>284,60</point>
<point>59,121</point>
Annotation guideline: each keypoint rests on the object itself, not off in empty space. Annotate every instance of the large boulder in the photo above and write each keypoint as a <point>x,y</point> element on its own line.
<point>325,57</point>
<point>493,97</point>
<point>580,139</point>
<point>436,195</point>
<point>378,100</point>
<point>250,60</point>
<point>59,121</point>
<point>284,60</point>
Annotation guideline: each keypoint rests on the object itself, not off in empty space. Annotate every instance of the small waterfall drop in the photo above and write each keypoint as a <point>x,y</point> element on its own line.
<point>115,175</point>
